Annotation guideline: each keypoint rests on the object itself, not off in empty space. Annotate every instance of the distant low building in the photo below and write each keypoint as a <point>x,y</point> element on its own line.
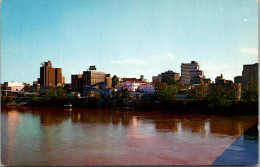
<point>14,86</point>
<point>169,73</point>
<point>197,80</point>
<point>161,77</point>
<point>141,79</point>
<point>132,86</point>
<point>146,88</point>
<point>195,73</point>
<point>157,78</point>
<point>220,79</point>
<point>238,79</point>
<point>207,81</point>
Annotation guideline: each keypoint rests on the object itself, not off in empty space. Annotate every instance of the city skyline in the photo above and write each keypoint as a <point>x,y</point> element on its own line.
<point>127,38</point>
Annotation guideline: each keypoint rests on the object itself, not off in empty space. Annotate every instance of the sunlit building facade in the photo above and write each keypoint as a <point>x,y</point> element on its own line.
<point>186,69</point>
<point>50,76</point>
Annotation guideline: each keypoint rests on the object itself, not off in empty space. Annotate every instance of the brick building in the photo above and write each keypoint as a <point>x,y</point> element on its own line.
<point>250,75</point>
<point>93,77</point>
<point>50,76</point>
<point>89,78</point>
<point>77,83</point>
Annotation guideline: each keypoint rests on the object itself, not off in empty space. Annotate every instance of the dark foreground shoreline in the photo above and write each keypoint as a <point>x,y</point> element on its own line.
<point>192,107</point>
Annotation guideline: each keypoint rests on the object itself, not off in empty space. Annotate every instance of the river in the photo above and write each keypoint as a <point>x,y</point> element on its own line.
<point>56,136</point>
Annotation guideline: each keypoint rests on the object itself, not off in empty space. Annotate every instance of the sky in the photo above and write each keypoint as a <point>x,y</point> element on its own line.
<point>127,38</point>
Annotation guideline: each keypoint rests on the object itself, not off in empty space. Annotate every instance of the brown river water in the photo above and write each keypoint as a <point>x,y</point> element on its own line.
<point>53,136</point>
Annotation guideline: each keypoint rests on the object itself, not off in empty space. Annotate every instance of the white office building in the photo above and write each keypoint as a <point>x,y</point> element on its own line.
<point>186,69</point>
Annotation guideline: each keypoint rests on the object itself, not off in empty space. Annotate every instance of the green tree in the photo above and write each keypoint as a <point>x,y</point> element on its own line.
<point>199,92</point>
<point>166,93</point>
<point>249,95</point>
<point>61,93</point>
<point>125,94</point>
<point>34,98</point>
<point>51,93</point>
<point>169,80</point>
<point>9,99</point>
<point>115,81</point>
<point>3,98</point>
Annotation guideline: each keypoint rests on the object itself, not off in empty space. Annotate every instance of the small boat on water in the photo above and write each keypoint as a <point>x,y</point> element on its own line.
<point>125,109</point>
<point>68,105</point>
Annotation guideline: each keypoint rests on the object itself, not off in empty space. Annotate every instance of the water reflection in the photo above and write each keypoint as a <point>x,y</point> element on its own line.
<point>173,123</point>
<point>51,118</point>
<point>51,136</point>
<point>101,117</point>
<point>164,123</point>
<point>14,118</point>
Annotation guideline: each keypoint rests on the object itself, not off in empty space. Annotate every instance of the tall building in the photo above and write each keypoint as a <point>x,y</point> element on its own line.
<point>58,77</point>
<point>50,76</point>
<point>250,75</point>
<point>77,83</point>
<point>186,69</point>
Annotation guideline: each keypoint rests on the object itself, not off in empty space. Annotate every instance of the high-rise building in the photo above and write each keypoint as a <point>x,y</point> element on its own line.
<point>77,83</point>
<point>50,76</point>
<point>58,77</point>
<point>250,75</point>
<point>186,69</point>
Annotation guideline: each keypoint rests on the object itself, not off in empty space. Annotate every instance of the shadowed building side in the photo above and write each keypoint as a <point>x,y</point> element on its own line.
<point>250,76</point>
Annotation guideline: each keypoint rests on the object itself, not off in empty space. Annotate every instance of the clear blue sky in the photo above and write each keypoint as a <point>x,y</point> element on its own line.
<point>127,37</point>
